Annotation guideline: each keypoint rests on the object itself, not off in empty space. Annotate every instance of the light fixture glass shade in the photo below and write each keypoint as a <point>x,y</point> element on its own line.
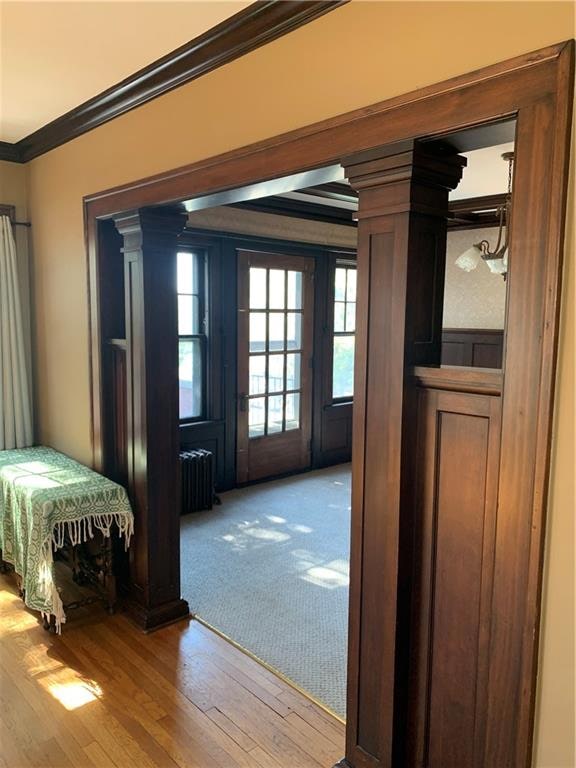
<point>498,266</point>
<point>470,259</point>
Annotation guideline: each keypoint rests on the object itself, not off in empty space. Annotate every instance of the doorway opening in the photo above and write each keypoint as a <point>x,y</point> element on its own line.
<point>269,566</point>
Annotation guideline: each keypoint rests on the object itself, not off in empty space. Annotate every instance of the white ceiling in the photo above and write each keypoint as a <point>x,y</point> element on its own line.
<point>485,174</point>
<point>56,55</point>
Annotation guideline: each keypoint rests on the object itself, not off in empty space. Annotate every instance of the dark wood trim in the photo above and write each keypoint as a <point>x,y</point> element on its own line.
<point>282,206</point>
<point>149,243</point>
<point>10,152</point>
<point>475,212</point>
<point>509,86</point>
<point>484,381</point>
<point>537,89</point>
<point>261,22</point>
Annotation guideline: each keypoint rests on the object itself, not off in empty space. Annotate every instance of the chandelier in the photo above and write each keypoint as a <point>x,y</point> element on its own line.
<point>496,260</point>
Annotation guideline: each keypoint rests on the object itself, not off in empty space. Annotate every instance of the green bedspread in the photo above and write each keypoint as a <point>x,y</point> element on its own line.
<point>44,497</point>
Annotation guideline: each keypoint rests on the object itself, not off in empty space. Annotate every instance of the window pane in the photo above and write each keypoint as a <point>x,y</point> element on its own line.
<point>275,373</point>
<point>293,371</point>
<point>351,285</point>
<point>256,416</point>
<point>190,376</point>
<point>185,324</point>
<point>188,315</point>
<point>343,367</point>
<point>257,331</point>
<point>186,268</point>
<point>276,300</point>
<point>292,412</point>
<point>257,288</point>
<point>351,317</point>
<point>275,414</point>
<point>257,375</point>
<point>294,290</point>
<point>294,330</point>
<point>339,310</point>
<point>340,284</point>
<point>276,331</point>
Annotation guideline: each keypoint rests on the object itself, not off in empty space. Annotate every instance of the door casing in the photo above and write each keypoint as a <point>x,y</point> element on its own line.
<point>537,90</point>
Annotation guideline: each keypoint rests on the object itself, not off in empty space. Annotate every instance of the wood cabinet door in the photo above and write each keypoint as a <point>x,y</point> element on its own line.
<point>275,337</point>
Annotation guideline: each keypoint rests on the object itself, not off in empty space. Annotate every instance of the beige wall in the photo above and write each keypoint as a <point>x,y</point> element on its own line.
<point>357,55</point>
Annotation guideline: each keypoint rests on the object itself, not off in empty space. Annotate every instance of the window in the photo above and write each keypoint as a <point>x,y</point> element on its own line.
<point>344,330</point>
<point>191,335</point>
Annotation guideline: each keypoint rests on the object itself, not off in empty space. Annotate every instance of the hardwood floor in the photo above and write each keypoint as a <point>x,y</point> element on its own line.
<point>103,694</point>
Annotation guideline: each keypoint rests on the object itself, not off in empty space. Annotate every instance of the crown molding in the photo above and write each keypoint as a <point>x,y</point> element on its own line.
<point>9,152</point>
<point>260,23</point>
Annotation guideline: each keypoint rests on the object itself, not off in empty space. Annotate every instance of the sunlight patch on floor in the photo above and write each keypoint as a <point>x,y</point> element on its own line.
<point>330,575</point>
<point>70,689</point>
<point>18,622</point>
<point>276,519</point>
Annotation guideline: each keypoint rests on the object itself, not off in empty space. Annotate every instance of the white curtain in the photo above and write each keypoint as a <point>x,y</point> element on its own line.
<point>15,406</point>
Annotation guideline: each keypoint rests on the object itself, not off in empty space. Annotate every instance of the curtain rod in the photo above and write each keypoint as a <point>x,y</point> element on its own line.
<point>9,211</point>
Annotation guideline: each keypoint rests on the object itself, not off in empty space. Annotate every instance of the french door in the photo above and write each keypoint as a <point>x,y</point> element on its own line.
<point>275,327</point>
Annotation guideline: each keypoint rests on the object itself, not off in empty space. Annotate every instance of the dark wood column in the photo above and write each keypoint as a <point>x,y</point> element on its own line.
<point>403,205</point>
<point>150,245</point>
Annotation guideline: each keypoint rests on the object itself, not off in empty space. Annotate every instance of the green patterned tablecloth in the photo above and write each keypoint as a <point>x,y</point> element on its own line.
<point>44,497</point>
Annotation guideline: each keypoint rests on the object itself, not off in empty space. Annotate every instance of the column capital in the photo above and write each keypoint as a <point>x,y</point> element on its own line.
<point>150,226</point>
<point>407,176</point>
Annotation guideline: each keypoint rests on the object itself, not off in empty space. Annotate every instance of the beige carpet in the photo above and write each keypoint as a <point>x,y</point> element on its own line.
<point>269,569</point>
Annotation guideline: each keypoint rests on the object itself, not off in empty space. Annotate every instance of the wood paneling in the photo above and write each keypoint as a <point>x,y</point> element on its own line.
<point>472,347</point>
<point>456,476</point>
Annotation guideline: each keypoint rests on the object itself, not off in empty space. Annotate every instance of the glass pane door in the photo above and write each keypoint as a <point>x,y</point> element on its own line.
<point>275,351</point>
<point>275,330</point>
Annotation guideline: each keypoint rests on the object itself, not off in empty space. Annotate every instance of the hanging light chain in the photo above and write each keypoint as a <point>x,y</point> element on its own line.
<point>504,212</point>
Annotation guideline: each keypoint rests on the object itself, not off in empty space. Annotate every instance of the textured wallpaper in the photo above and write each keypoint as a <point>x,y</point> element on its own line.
<point>474,299</point>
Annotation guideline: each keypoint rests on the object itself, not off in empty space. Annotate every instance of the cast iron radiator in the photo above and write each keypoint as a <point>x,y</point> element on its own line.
<point>197,473</point>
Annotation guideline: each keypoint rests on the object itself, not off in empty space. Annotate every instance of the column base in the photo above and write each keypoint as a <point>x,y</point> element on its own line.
<point>149,619</point>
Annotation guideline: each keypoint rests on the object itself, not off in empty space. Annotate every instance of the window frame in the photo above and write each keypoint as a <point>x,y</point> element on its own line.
<point>203,328</point>
<point>339,263</point>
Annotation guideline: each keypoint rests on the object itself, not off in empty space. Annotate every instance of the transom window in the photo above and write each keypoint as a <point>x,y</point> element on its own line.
<point>344,331</point>
<point>191,335</point>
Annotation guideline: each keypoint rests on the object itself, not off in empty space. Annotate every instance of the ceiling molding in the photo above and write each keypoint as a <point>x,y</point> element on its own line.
<point>9,152</point>
<point>260,23</point>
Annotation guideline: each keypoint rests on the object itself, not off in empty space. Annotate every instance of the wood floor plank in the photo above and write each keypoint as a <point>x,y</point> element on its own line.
<point>97,756</point>
<point>317,717</point>
<point>183,710</point>
<point>263,759</point>
<point>105,695</point>
<point>232,730</point>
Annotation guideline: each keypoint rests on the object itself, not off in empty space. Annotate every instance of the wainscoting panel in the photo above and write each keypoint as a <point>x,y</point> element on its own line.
<point>477,347</point>
<point>456,486</point>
